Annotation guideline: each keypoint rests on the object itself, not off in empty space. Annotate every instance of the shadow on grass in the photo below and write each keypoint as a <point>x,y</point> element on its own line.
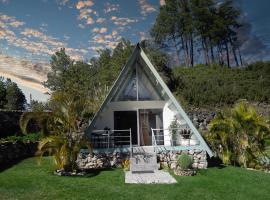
<point>5,166</point>
<point>89,173</point>
<point>215,162</point>
<point>94,172</point>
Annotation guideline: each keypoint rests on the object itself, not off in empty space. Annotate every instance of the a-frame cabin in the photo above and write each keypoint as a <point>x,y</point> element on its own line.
<point>139,111</point>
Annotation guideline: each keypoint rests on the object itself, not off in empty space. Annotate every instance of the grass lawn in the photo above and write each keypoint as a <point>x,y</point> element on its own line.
<point>27,180</point>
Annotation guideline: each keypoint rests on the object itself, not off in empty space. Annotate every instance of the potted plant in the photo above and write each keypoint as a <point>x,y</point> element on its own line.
<point>184,166</point>
<point>174,132</point>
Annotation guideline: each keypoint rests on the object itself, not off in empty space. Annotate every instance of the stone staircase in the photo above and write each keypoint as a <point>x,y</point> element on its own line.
<point>144,159</point>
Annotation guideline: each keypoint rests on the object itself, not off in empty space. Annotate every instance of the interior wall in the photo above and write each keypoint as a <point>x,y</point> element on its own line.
<point>105,118</point>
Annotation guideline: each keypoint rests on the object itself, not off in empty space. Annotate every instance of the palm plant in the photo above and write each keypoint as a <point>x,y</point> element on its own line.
<point>63,128</point>
<point>238,135</point>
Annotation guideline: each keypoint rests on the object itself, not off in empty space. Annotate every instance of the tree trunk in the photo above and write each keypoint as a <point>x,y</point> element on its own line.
<point>234,52</point>
<point>187,51</point>
<point>205,52</point>
<point>240,56</point>
<point>191,51</point>
<point>212,53</point>
<point>227,54</point>
<point>220,56</point>
<point>185,54</point>
<point>177,50</point>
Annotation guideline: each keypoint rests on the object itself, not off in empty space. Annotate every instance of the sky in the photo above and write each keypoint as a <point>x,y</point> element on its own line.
<point>32,30</point>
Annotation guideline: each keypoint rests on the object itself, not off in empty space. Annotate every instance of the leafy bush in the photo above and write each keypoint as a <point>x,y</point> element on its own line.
<point>239,135</point>
<point>125,165</point>
<point>33,137</point>
<point>202,86</point>
<point>185,161</point>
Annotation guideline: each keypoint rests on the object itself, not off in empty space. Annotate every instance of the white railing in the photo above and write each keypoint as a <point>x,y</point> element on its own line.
<point>111,138</point>
<point>173,137</point>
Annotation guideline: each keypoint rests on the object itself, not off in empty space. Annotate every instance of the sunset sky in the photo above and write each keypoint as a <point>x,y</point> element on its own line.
<point>32,30</point>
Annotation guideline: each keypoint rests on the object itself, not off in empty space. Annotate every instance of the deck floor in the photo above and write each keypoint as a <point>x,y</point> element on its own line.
<point>156,177</point>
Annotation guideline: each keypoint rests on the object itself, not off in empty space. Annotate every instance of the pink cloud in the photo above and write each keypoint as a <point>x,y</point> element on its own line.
<point>162,2</point>
<point>146,8</point>
<point>82,4</point>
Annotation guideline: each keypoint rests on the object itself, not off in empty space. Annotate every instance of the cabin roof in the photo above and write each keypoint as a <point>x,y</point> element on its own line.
<point>136,54</point>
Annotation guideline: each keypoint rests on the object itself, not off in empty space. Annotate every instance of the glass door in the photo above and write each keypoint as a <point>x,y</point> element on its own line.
<point>149,118</point>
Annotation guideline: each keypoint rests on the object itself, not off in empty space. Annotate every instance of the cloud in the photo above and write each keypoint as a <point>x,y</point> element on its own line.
<point>34,41</point>
<point>82,4</point>
<point>100,20</point>
<point>90,20</point>
<point>10,21</point>
<point>62,2</point>
<point>100,30</point>
<point>101,41</point>
<point>146,8</point>
<point>142,36</point>
<point>81,26</point>
<point>122,21</point>
<point>28,73</point>
<point>66,37</point>
<point>162,2</point>
<point>86,12</point>
<point>111,7</point>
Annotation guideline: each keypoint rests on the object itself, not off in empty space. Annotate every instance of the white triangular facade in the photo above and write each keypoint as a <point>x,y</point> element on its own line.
<point>140,100</point>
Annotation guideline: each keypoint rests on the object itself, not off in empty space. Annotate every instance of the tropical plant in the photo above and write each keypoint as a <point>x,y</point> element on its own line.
<point>174,129</point>
<point>185,161</point>
<point>63,128</point>
<point>186,133</point>
<point>239,135</point>
<point>125,165</point>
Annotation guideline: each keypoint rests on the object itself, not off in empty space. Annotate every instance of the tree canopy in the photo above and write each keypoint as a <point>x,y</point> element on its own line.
<point>11,96</point>
<point>208,27</point>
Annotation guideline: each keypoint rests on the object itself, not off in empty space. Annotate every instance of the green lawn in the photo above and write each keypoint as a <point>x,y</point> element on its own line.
<point>27,180</point>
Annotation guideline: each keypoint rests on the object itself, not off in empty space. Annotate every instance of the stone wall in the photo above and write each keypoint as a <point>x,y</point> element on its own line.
<point>11,153</point>
<point>165,159</point>
<point>169,159</point>
<point>201,117</point>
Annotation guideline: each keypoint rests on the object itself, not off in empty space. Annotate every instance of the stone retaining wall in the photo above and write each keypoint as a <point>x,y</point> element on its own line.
<point>169,159</point>
<point>201,117</point>
<point>166,159</point>
<point>13,152</point>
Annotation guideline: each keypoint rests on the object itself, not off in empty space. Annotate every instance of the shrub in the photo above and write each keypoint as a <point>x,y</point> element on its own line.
<point>32,137</point>
<point>125,165</point>
<point>210,86</point>
<point>185,161</point>
<point>239,135</point>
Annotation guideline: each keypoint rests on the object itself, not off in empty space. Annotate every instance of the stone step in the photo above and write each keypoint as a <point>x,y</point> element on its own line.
<point>143,149</point>
<point>143,162</point>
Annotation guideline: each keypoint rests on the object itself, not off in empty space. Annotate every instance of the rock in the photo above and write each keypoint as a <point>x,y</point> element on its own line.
<point>187,172</point>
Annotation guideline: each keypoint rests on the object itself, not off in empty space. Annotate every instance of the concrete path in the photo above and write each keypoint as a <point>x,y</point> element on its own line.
<point>158,176</point>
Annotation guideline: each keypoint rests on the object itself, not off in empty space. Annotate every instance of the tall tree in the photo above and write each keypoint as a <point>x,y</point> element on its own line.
<point>60,63</point>
<point>2,93</point>
<point>15,99</point>
<point>165,30</point>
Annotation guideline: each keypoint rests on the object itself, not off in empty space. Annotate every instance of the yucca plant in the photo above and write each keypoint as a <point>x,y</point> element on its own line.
<point>238,135</point>
<point>63,129</point>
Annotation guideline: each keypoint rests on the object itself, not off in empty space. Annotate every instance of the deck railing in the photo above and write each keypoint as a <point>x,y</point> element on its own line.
<point>173,137</point>
<point>111,138</point>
